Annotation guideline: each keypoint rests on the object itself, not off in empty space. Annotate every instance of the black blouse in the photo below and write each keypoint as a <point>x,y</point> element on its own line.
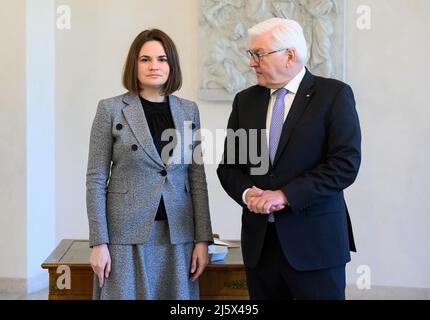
<point>159,118</point>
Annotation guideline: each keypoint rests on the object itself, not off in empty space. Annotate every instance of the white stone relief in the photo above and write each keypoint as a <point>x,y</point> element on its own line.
<point>223,40</point>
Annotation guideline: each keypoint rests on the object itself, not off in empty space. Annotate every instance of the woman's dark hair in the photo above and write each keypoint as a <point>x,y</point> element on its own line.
<point>130,79</point>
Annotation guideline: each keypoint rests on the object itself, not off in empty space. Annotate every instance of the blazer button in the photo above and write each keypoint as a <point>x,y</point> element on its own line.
<point>134,147</point>
<point>163,173</point>
<point>193,126</point>
<point>119,126</point>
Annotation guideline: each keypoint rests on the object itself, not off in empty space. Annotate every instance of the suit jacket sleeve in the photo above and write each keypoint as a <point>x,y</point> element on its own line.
<point>233,176</point>
<point>198,188</point>
<point>99,162</point>
<point>339,168</point>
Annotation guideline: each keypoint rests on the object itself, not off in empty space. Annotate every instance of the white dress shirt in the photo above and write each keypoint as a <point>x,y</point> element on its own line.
<point>292,88</point>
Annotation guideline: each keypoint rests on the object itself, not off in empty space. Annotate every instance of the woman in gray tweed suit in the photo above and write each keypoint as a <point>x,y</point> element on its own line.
<point>148,209</point>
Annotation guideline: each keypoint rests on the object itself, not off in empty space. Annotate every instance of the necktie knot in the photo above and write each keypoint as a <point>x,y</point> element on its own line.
<point>281,93</point>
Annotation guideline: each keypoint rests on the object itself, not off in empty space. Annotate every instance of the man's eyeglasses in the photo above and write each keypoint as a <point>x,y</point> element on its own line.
<point>256,56</point>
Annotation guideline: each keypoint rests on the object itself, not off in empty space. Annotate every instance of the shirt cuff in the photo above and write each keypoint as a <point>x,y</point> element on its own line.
<point>243,196</point>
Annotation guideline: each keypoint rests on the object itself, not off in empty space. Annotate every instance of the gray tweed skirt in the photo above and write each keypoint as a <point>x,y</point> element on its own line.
<point>155,270</point>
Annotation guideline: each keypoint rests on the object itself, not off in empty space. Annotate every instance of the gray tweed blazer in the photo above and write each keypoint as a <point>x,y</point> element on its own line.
<point>126,176</point>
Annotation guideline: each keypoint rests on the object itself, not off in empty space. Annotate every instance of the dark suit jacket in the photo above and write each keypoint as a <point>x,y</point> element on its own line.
<point>318,156</point>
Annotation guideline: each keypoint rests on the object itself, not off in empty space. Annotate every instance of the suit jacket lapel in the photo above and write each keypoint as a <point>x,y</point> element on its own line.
<point>301,101</point>
<point>136,119</point>
<point>262,102</point>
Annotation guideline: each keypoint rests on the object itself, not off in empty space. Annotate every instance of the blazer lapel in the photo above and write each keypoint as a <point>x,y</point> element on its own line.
<point>301,101</point>
<point>179,122</point>
<point>136,119</point>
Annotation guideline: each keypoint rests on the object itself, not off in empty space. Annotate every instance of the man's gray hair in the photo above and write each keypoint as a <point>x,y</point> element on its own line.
<point>287,33</point>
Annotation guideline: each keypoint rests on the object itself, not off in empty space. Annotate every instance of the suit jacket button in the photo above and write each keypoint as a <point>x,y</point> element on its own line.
<point>272,176</point>
<point>119,126</point>
<point>134,147</point>
<point>193,126</point>
<point>163,173</point>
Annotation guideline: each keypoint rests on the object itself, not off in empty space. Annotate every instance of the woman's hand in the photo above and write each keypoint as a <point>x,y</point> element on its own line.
<point>100,262</point>
<point>199,260</point>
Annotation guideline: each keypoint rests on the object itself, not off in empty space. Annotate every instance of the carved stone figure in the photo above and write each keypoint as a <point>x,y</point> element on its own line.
<point>223,39</point>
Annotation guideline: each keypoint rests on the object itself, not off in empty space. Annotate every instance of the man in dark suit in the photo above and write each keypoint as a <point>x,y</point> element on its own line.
<point>296,230</point>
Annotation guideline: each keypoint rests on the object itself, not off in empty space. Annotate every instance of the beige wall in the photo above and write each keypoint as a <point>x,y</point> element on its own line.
<point>13,222</point>
<point>390,206</point>
<point>26,142</point>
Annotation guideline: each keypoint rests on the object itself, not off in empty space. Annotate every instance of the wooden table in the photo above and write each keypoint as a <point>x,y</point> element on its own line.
<point>221,279</point>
